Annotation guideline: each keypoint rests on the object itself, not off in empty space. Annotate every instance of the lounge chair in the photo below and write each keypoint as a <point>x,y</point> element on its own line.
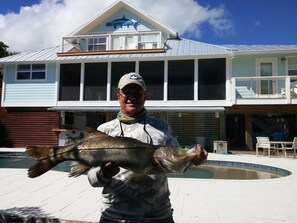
<point>265,144</point>
<point>293,147</point>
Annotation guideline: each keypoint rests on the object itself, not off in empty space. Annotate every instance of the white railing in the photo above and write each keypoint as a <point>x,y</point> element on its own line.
<point>281,89</point>
<point>102,42</point>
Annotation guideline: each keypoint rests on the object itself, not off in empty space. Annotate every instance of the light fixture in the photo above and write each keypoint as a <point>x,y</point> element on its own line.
<point>283,59</point>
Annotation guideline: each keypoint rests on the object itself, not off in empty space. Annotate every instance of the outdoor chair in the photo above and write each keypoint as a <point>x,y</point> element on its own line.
<point>293,147</point>
<point>265,144</point>
<point>293,90</point>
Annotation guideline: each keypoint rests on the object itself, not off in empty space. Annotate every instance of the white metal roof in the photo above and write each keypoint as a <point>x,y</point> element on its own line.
<point>261,48</point>
<point>173,48</point>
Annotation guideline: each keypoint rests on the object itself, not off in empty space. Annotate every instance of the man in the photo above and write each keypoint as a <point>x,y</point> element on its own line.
<point>145,200</point>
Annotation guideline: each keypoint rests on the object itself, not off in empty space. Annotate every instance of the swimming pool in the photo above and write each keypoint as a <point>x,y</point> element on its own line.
<point>210,170</point>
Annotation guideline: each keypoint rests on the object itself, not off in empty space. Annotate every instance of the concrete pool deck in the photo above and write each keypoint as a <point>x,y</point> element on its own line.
<point>54,195</point>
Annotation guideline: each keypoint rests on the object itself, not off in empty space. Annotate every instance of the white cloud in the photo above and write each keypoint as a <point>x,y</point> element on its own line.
<point>43,25</point>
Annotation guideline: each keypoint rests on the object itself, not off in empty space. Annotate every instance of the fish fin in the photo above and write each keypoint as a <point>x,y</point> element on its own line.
<point>39,152</point>
<point>93,133</point>
<point>78,170</point>
<point>40,168</point>
<point>70,140</point>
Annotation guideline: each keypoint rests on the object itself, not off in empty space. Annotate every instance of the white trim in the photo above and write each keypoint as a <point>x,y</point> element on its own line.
<point>149,108</point>
<point>108,89</point>
<point>29,104</point>
<point>165,85</point>
<point>82,81</point>
<point>196,75</point>
<point>113,8</point>
<point>3,84</point>
<point>228,84</point>
<point>57,83</point>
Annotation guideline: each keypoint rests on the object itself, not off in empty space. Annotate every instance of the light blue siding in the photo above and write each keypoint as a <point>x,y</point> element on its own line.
<point>9,73</point>
<point>30,92</point>
<point>245,66</point>
<point>41,91</point>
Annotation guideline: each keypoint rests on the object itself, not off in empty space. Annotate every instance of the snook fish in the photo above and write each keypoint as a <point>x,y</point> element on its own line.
<point>96,148</point>
<point>123,22</point>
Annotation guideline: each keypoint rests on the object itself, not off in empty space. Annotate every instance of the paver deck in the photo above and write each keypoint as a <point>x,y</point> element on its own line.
<point>54,195</point>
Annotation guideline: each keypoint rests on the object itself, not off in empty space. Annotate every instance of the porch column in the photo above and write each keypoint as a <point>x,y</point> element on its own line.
<point>248,131</point>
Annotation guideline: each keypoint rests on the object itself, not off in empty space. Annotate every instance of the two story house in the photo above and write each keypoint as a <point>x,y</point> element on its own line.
<point>206,92</point>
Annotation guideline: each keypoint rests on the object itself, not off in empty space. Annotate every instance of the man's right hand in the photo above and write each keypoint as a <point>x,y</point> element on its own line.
<point>109,170</point>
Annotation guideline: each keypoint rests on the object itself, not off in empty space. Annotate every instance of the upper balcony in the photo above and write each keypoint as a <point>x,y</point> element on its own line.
<point>148,41</point>
<point>264,90</point>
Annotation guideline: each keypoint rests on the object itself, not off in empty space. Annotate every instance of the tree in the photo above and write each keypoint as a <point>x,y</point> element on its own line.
<point>3,50</point>
<point>3,53</point>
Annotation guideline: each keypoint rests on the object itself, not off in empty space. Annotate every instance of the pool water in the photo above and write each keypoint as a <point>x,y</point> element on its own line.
<point>210,170</point>
<point>225,172</point>
<point>25,163</point>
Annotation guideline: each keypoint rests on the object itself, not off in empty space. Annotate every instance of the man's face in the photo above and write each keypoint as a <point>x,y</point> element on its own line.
<point>132,98</point>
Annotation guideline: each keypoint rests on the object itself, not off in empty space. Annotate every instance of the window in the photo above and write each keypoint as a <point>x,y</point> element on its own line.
<point>69,82</point>
<point>211,79</point>
<point>95,81</point>
<point>153,74</point>
<point>118,69</point>
<point>181,80</point>
<point>148,41</point>
<point>292,66</point>
<point>31,72</point>
<point>116,43</point>
<point>130,43</point>
<point>266,71</point>
<point>97,44</point>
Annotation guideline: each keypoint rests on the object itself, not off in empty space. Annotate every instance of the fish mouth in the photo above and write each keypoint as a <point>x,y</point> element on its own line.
<point>201,155</point>
<point>179,161</point>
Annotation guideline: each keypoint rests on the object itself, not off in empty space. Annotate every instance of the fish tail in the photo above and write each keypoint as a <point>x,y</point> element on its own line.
<point>48,157</point>
<point>40,168</point>
<point>39,152</point>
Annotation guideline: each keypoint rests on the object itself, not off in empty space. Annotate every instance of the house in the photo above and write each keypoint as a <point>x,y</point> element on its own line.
<point>205,91</point>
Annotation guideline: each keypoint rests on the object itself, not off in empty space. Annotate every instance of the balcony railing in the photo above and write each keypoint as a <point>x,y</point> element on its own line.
<point>113,42</point>
<point>249,89</point>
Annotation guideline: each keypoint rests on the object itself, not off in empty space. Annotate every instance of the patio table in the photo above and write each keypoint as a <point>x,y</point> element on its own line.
<point>283,144</point>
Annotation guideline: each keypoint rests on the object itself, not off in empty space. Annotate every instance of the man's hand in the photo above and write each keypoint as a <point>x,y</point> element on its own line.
<point>109,170</point>
<point>201,155</point>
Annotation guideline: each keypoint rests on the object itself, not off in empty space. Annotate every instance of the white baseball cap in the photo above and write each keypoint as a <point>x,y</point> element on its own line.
<point>131,78</point>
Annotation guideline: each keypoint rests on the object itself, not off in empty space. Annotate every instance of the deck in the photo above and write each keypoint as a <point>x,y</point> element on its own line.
<point>56,197</point>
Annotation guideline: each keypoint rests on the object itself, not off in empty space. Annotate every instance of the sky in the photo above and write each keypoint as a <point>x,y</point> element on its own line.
<point>27,25</point>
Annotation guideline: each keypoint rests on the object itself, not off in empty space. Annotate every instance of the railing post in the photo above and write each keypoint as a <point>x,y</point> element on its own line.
<point>288,89</point>
<point>233,90</point>
<point>63,45</point>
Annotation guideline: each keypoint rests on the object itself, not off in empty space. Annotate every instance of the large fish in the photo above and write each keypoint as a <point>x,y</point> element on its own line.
<point>123,22</point>
<point>95,148</point>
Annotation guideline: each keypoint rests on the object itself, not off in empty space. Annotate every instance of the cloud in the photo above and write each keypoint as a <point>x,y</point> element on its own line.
<point>43,25</point>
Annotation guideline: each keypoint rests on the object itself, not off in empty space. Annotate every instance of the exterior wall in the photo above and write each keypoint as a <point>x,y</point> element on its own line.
<point>245,65</point>
<point>25,128</point>
<point>28,127</point>
<point>29,93</point>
